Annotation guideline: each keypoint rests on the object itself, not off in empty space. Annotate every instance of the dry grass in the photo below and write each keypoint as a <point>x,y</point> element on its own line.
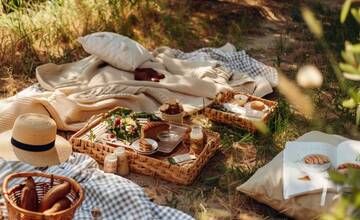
<point>47,32</point>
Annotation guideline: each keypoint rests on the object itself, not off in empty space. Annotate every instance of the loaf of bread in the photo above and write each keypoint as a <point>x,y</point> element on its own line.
<point>316,159</point>
<point>53,195</point>
<point>152,129</point>
<point>29,199</point>
<point>60,205</point>
<point>257,105</point>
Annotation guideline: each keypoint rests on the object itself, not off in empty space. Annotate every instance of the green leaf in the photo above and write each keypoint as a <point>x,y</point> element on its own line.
<point>313,24</point>
<point>356,14</point>
<point>348,68</point>
<point>357,115</point>
<point>348,57</point>
<point>349,103</point>
<point>345,10</point>
<point>337,177</point>
<point>355,48</point>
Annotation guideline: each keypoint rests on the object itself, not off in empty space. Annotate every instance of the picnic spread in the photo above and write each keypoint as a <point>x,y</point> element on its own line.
<point>129,111</point>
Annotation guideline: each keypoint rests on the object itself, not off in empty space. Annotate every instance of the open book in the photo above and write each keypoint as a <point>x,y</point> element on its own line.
<point>306,165</point>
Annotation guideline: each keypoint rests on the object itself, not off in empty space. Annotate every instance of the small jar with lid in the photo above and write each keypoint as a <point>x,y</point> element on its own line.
<point>110,163</point>
<point>196,140</point>
<point>122,161</point>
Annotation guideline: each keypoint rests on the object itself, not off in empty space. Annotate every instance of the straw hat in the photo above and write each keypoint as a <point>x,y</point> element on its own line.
<point>33,140</point>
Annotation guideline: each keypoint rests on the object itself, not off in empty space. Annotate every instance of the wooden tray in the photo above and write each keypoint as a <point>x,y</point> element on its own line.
<point>233,118</point>
<point>156,165</point>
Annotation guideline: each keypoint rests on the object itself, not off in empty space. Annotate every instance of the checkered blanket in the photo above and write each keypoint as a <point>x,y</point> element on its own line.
<point>236,61</point>
<point>116,197</point>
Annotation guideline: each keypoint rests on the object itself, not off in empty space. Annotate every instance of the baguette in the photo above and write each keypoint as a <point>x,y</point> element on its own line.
<point>29,199</point>
<point>60,205</point>
<point>53,195</point>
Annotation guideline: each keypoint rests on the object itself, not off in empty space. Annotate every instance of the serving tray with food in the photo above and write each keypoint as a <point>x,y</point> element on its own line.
<point>306,165</point>
<point>153,146</point>
<point>240,109</point>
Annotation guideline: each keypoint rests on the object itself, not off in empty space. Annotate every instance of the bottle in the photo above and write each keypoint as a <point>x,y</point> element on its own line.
<point>122,161</point>
<point>196,140</point>
<point>110,163</point>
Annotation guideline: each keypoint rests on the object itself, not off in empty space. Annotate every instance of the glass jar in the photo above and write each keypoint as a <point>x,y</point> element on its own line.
<point>110,163</point>
<point>196,140</point>
<point>122,161</point>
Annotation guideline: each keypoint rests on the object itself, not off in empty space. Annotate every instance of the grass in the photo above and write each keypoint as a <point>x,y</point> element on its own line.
<point>46,31</point>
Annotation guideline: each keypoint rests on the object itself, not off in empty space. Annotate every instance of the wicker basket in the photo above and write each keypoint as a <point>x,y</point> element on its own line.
<point>156,166</point>
<point>12,196</point>
<point>235,119</point>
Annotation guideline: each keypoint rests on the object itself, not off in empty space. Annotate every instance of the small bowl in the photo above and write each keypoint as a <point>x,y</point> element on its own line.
<point>168,136</point>
<point>314,168</point>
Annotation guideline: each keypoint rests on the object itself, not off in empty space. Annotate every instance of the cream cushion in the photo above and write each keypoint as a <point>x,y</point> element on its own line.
<point>115,49</point>
<point>266,185</point>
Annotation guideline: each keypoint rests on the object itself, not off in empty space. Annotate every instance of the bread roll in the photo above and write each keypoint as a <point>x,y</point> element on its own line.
<point>257,105</point>
<point>29,199</point>
<point>53,195</point>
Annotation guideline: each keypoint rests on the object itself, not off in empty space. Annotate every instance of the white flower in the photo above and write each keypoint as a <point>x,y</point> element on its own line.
<point>309,76</point>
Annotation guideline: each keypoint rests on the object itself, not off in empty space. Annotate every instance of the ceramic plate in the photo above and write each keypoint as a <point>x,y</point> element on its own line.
<point>136,147</point>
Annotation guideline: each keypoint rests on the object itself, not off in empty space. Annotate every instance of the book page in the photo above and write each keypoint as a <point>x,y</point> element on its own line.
<point>348,152</point>
<point>297,179</point>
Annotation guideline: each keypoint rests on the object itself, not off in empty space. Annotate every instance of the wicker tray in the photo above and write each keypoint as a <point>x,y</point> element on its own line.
<point>157,165</point>
<point>232,118</point>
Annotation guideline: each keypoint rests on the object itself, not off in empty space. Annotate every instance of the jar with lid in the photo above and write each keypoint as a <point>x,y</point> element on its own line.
<point>110,163</point>
<point>196,140</point>
<point>122,161</point>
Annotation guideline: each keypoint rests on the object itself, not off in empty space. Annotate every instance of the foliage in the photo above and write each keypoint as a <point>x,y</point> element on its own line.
<point>348,207</point>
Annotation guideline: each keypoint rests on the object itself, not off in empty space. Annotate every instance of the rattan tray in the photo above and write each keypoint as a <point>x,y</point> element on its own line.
<point>236,119</point>
<point>156,165</point>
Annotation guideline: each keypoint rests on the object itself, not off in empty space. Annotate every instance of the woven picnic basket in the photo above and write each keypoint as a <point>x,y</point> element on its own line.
<point>235,119</point>
<point>43,185</point>
<point>147,165</point>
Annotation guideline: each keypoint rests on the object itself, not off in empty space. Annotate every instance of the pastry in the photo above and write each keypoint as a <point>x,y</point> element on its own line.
<point>152,129</point>
<point>343,168</point>
<point>172,108</point>
<point>316,159</point>
<point>144,145</point>
<point>257,105</point>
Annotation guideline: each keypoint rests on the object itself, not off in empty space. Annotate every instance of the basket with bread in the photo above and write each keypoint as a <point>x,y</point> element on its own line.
<point>149,143</point>
<point>240,109</point>
<point>41,196</point>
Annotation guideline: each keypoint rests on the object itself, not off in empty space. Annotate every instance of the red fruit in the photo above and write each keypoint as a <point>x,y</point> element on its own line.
<point>117,121</point>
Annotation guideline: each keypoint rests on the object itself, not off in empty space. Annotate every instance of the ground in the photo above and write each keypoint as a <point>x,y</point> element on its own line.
<point>271,31</point>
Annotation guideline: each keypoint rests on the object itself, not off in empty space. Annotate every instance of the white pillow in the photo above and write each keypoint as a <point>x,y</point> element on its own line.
<point>115,49</point>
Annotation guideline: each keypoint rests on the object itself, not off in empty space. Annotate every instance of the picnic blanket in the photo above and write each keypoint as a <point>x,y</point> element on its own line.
<point>72,93</point>
<point>115,196</point>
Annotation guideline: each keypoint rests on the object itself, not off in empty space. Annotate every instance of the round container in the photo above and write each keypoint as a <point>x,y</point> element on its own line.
<point>196,140</point>
<point>168,136</point>
<point>122,161</point>
<point>110,163</point>
<point>177,118</point>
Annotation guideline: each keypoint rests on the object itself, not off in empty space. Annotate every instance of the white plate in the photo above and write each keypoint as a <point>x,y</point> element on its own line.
<point>135,145</point>
<point>255,113</point>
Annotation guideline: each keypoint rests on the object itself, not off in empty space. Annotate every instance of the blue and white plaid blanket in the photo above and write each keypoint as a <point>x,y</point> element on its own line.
<point>116,197</point>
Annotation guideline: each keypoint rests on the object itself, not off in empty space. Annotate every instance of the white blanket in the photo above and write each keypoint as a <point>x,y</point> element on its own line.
<point>76,91</point>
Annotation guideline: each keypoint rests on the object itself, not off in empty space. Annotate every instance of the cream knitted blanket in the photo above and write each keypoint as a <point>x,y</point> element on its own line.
<point>79,90</point>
